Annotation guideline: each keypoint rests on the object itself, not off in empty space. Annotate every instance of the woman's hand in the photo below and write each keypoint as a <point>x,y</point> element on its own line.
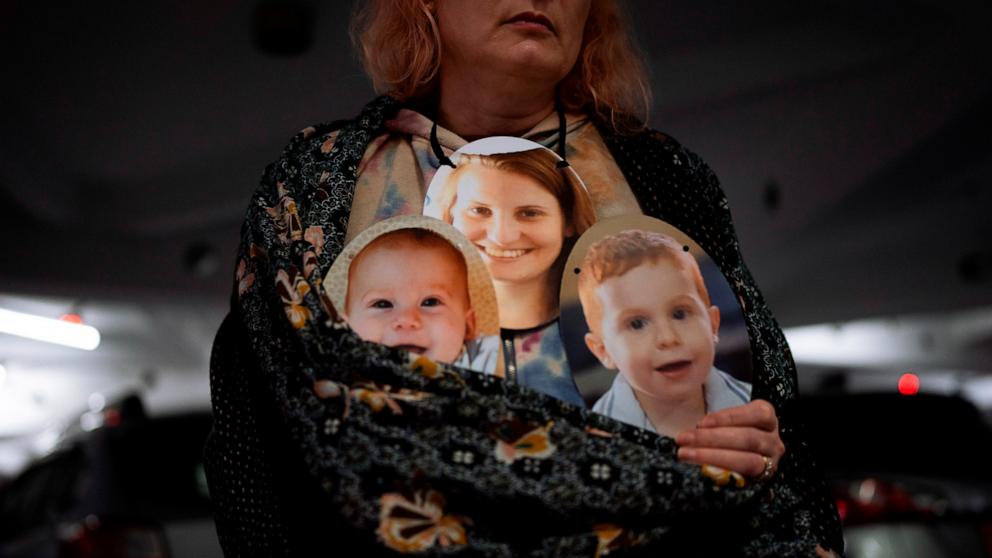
<point>738,439</point>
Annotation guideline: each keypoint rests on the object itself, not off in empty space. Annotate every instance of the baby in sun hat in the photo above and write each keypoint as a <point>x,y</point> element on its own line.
<point>416,283</point>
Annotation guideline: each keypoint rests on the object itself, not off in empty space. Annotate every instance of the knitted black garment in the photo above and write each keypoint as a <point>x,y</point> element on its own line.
<point>324,444</point>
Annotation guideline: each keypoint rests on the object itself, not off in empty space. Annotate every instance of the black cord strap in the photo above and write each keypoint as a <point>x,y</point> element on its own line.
<point>561,135</point>
<point>444,160</point>
<point>436,147</point>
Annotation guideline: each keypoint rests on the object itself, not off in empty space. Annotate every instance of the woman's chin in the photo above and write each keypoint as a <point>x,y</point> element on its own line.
<point>509,275</point>
<point>506,261</point>
<point>531,54</point>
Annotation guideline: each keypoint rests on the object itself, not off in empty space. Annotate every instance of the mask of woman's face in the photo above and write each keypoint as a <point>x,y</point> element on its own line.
<point>516,224</point>
<point>513,37</point>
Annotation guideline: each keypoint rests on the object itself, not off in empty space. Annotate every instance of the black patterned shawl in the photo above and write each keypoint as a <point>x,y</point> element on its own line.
<point>324,444</point>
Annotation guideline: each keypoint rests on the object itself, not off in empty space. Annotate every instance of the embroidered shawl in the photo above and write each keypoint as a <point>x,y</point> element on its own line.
<point>322,441</point>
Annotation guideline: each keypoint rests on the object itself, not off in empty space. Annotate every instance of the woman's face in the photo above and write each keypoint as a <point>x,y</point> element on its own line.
<point>515,37</point>
<point>516,224</point>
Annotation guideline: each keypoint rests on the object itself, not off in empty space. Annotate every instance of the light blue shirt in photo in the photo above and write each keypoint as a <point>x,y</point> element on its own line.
<point>720,391</point>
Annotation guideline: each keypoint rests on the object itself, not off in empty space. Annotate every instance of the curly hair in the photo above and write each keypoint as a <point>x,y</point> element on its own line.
<point>615,255</point>
<point>399,45</point>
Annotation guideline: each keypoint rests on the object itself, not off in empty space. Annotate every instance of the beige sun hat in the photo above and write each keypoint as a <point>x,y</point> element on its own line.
<point>481,293</point>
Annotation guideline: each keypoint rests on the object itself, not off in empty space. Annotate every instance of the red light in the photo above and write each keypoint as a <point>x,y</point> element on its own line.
<point>71,318</point>
<point>112,418</point>
<point>987,535</point>
<point>842,509</point>
<point>909,384</point>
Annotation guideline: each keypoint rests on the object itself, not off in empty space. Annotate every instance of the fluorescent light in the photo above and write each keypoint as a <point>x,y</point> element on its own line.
<point>911,342</point>
<point>49,330</point>
<point>96,402</point>
<point>860,343</point>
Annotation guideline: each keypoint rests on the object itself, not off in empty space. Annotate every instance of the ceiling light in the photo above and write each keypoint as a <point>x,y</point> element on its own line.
<point>49,330</point>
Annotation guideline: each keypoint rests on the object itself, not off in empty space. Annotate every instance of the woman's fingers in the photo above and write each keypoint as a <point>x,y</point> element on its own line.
<point>746,463</point>
<point>758,414</point>
<point>739,439</point>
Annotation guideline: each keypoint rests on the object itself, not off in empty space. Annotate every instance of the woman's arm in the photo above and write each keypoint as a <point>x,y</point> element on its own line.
<point>238,457</point>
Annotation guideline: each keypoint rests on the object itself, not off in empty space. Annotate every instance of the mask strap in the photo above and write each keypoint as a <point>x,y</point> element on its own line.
<point>436,147</point>
<point>444,160</point>
<point>561,135</point>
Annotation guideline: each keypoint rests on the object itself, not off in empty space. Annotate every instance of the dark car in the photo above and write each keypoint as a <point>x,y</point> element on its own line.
<point>912,475</point>
<point>125,486</point>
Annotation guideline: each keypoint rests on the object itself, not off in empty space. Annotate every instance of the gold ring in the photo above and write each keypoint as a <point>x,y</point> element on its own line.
<point>768,471</point>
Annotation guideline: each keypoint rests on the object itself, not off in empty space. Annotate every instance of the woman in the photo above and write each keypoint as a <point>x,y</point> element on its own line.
<point>521,211</point>
<point>295,462</point>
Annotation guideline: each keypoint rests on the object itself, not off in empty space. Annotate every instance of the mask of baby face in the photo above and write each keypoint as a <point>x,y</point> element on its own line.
<point>411,296</point>
<point>515,222</point>
<point>657,330</point>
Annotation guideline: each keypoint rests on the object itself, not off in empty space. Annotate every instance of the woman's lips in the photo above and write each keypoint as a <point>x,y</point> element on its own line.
<point>502,254</point>
<point>531,20</point>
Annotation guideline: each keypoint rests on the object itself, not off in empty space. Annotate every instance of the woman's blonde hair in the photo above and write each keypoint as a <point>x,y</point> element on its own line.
<point>400,47</point>
<point>539,164</point>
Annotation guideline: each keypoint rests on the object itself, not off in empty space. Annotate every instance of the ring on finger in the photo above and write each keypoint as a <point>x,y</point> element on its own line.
<point>768,471</point>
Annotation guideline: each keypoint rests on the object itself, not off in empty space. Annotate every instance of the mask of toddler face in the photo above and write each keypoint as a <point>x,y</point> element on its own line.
<point>660,338</point>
